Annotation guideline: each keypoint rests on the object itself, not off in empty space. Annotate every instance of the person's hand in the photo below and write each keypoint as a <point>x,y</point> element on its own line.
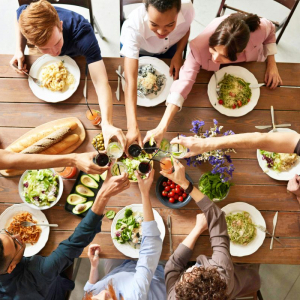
<point>178,176</point>
<point>176,64</point>
<point>93,254</point>
<point>201,223</point>
<point>110,131</point>
<point>195,145</point>
<point>113,185</point>
<point>133,135</point>
<point>84,162</point>
<point>157,133</point>
<point>19,59</point>
<point>272,77</point>
<point>293,186</point>
<point>145,184</point>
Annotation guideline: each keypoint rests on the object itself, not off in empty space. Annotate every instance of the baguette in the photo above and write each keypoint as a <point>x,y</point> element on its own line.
<point>62,145</point>
<point>33,138</point>
<point>47,142</point>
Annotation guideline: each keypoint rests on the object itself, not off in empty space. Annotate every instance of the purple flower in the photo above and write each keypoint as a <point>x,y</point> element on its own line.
<point>215,122</point>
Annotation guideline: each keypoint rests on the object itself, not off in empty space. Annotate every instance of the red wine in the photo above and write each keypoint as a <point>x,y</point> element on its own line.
<point>150,149</point>
<point>134,150</point>
<point>101,160</point>
<point>144,167</point>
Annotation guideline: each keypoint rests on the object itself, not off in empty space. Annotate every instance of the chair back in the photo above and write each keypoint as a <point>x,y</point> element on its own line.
<point>122,4</point>
<point>287,3</point>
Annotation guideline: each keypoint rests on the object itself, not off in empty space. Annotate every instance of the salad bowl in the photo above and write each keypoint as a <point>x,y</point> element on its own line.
<point>23,184</point>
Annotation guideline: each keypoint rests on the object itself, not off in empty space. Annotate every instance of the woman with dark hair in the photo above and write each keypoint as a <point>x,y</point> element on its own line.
<point>159,28</point>
<point>214,277</point>
<point>229,39</point>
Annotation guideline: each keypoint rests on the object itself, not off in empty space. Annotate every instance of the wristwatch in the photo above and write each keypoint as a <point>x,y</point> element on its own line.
<point>189,189</point>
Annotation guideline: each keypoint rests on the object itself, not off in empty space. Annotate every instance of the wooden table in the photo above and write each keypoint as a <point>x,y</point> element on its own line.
<point>20,110</point>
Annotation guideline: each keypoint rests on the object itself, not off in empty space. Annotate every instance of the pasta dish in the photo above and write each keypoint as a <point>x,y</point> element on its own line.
<point>241,229</point>
<point>234,91</point>
<point>29,235</point>
<point>56,77</point>
<point>148,81</point>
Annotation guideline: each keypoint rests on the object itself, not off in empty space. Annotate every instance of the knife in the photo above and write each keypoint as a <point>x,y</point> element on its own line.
<point>274,227</point>
<point>169,224</point>
<point>258,85</point>
<point>118,92</point>
<point>273,119</point>
<point>269,126</point>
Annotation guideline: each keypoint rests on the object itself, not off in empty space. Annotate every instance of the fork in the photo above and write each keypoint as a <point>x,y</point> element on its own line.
<point>217,84</point>
<point>29,224</point>
<point>35,80</point>
<point>267,232</point>
<point>138,92</point>
<point>273,122</point>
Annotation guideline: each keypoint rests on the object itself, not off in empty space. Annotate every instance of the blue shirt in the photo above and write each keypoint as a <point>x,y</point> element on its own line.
<point>78,34</point>
<point>38,277</point>
<point>142,279</point>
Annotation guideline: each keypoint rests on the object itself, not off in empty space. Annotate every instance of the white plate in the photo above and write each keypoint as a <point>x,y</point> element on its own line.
<point>239,72</point>
<point>257,219</point>
<point>60,191</point>
<point>45,94</point>
<point>162,68</point>
<point>7,216</point>
<point>284,176</point>
<point>127,249</point>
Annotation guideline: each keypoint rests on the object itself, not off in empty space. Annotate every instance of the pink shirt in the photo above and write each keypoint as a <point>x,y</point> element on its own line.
<point>261,44</point>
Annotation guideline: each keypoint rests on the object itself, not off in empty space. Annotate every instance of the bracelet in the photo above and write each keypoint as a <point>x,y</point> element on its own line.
<point>190,188</point>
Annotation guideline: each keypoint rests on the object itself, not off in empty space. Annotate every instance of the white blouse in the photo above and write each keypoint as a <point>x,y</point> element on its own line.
<point>137,38</point>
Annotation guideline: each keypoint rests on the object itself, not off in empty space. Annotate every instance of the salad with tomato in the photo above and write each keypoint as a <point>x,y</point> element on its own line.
<point>172,191</point>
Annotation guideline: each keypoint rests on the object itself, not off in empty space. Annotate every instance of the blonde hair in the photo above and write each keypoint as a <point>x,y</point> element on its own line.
<point>37,21</point>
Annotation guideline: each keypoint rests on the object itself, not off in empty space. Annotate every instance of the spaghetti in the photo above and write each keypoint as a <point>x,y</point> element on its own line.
<point>29,235</point>
<point>56,77</point>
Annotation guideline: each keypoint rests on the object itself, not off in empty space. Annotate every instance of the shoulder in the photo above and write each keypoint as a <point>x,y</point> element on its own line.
<point>136,17</point>
<point>187,7</point>
<point>266,27</point>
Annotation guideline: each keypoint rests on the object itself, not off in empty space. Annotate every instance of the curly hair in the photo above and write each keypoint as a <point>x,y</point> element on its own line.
<point>201,284</point>
<point>163,5</point>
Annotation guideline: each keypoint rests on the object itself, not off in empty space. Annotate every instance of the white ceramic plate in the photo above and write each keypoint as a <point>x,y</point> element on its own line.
<point>161,68</point>
<point>127,249</point>
<point>239,72</point>
<point>60,191</point>
<point>257,219</point>
<point>45,94</point>
<point>7,216</point>
<point>284,176</point>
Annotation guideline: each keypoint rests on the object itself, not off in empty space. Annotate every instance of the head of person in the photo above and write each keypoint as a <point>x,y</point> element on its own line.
<point>107,294</point>
<point>162,16</point>
<point>40,25</point>
<point>199,283</point>
<point>11,251</point>
<point>232,36</point>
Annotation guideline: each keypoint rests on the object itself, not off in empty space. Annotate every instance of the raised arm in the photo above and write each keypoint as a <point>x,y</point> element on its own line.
<point>103,90</point>
<point>276,142</point>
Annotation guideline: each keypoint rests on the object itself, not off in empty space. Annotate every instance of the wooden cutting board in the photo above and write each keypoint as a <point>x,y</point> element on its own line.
<point>80,131</point>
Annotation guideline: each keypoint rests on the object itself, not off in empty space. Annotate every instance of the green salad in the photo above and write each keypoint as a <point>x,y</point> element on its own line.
<point>40,187</point>
<point>240,228</point>
<point>129,229</point>
<point>133,163</point>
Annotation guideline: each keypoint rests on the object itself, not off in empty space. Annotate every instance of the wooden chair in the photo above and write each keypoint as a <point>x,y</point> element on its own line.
<point>81,3</point>
<point>290,4</point>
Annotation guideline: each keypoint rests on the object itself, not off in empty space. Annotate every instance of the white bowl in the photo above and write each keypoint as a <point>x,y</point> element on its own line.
<point>60,191</point>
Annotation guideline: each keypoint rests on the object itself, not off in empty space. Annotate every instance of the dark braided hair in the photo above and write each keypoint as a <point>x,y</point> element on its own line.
<point>163,5</point>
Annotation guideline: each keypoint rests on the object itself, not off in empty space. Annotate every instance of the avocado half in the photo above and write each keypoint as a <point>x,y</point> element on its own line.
<point>95,176</point>
<point>75,199</point>
<point>103,175</point>
<point>84,191</point>
<point>81,208</point>
<point>89,182</point>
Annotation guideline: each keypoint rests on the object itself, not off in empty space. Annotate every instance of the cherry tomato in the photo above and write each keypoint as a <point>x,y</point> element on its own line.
<point>164,193</point>
<point>172,200</point>
<point>181,189</point>
<point>164,183</point>
<point>184,195</point>
<point>171,194</point>
<point>248,100</point>
<point>177,190</point>
<point>172,186</point>
<point>169,182</point>
<point>233,106</point>
<point>176,197</point>
<point>180,193</point>
<point>239,103</point>
<point>167,188</point>
<point>221,101</point>
<point>180,199</point>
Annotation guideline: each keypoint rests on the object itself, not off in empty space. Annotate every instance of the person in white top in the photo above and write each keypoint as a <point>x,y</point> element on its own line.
<point>159,28</point>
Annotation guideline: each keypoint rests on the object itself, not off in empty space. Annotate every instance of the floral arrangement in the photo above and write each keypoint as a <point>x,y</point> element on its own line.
<point>219,159</point>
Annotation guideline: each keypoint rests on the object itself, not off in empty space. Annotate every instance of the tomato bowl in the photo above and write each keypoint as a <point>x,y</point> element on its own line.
<point>162,183</point>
